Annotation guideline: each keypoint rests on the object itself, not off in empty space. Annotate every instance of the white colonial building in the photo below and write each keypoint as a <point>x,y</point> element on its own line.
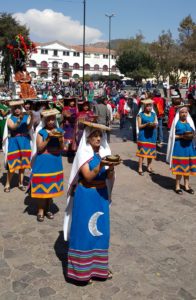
<point>58,61</point>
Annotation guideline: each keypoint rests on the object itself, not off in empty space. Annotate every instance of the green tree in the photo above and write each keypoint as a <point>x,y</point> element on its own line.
<point>135,60</point>
<point>9,28</point>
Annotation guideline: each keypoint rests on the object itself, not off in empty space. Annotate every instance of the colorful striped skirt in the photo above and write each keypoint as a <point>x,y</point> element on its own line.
<point>47,180</point>
<point>83,265</point>
<point>19,153</point>
<point>146,149</point>
<point>184,158</point>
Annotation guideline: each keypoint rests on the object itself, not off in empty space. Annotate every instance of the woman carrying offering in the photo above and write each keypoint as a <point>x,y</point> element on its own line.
<point>181,152</point>
<point>86,223</point>
<point>47,167</point>
<point>17,143</point>
<point>146,142</point>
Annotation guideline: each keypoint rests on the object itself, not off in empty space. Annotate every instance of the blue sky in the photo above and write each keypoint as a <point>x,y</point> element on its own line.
<point>132,16</point>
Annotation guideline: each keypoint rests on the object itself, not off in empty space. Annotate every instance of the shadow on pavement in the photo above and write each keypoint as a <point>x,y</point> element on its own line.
<point>163,181</point>
<point>31,206</point>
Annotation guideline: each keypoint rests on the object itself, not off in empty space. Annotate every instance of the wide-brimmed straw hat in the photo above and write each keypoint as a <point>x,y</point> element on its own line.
<point>15,101</point>
<point>96,125</point>
<point>147,101</point>
<point>49,112</point>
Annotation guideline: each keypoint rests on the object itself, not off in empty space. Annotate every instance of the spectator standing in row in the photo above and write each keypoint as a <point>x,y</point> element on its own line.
<point>159,104</point>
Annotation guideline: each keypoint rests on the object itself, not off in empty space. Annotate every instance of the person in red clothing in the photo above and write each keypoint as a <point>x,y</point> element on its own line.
<point>122,111</point>
<point>176,100</point>
<point>159,104</point>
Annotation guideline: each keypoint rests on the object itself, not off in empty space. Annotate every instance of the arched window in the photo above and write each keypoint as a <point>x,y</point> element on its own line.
<point>76,66</point>
<point>75,76</point>
<point>44,75</point>
<point>96,67</point>
<point>113,69</point>
<point>55,64</point>
<point>32,63</point>
<point>105,68</point>
<point>33,74</point>
<point>65,65</point>
<point>44,64</point>
<point>65,76</point>
<point>86,67</point>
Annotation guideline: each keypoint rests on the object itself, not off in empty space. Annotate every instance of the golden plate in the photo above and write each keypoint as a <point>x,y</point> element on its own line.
<point>113,158</point>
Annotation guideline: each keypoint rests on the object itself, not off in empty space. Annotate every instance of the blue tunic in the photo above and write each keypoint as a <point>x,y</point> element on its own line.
<point>47,170</point>
<point>19,148</point>
<point>147,137</point>
<point>184,153</point>
<point>90,230</point>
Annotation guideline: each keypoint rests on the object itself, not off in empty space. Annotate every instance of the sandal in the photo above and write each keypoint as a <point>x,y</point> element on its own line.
<point>6,189</point>
<point>49,215</point>
<point>190,191</point>
<point>40,218</point>
<point>179,192</point>
<point>150,171</point>
<point>110,274</point>
<point>22,188</point>
<point>141,173</point>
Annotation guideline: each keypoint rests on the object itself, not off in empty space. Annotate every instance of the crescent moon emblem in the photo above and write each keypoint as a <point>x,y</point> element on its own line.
<point>92,224</point>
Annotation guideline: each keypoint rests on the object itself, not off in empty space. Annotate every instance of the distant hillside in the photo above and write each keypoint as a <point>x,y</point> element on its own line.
<point>114,44</point>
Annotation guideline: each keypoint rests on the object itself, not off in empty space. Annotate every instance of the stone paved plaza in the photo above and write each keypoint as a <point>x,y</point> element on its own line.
<point>153,240</point>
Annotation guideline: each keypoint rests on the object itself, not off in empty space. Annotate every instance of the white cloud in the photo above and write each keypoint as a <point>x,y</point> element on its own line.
<point>48,25</point>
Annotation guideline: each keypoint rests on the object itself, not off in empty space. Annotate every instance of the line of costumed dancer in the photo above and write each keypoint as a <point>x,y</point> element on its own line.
<point>86,223</point>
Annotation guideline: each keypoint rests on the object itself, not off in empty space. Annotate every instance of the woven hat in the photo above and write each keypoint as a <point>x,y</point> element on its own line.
<point>49,112</point>
<point>15,101</point>
<point>147,101</point>
<point>96,125</point>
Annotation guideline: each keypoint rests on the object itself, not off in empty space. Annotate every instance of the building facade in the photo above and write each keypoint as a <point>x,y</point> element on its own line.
<point>57,61</point>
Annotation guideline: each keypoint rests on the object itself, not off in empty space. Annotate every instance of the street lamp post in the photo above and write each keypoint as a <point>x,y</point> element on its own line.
<point>110,18</point>
<point>84,46</point>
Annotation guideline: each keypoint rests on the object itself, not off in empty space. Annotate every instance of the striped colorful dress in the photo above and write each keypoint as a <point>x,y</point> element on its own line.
<point>147,137</point>
<point>19,148</point>
<point>184,153</point>
<point>90,229</point>
<point>47,171</point>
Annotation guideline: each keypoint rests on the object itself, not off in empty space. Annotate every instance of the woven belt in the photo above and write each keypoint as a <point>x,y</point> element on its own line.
<point>93,184</point>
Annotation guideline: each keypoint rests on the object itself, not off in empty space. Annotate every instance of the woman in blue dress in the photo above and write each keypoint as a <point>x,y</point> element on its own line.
<point>47,168</point>
<point>17,143</point>
<point>181,152</point>
<point>86,223</point>
<point>147,136</point>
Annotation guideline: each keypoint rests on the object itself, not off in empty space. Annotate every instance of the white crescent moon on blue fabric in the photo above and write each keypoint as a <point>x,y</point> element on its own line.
<point>92,224</point>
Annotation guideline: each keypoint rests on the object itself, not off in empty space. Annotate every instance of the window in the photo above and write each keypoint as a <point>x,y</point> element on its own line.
<point>96,67</point>
<point>65,76</point>
<point>65,65</point>
<point>66,53</point>
<point>113,68</point>
<point>76,76</point>
<point>44,51</point>
<point>87,67</point>
<point>44,75</point>
<point>55,64</point>
<point>76,66</point>
<point>44,64</point>
<point>76,54</point>
<point>113,57</point>
<point>96,55</point>
<point>33,74</point>
<point>55,53</point>
<point>105,68</point>
<point>105,56</point>
<point>87,55</point>
<point>32,63</point>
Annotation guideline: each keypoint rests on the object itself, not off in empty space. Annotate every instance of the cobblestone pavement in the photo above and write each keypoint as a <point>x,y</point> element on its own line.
<point>153,234</point>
